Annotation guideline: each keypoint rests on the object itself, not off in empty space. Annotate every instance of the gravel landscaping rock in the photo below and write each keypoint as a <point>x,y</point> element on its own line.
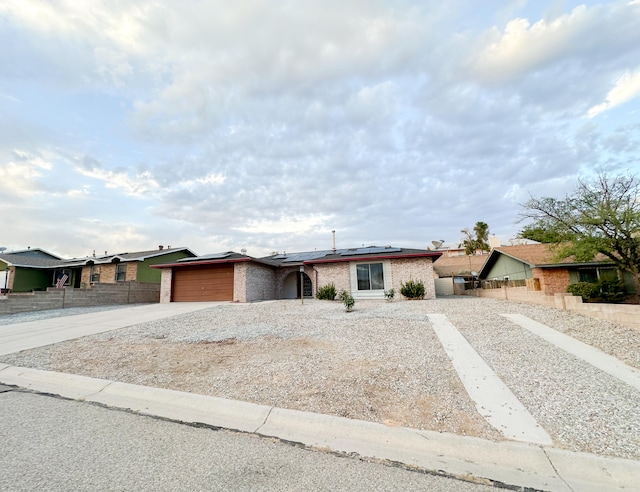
<point>382,362</point>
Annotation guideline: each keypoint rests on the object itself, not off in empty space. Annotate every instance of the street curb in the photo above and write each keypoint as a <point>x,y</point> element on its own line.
<point>508,463</point>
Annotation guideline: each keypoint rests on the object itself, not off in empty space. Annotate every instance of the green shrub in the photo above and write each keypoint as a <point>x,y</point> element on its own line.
<point>412,289</point>
<point>348,300</point>
<point>612,290</point>
<point>601,291</point>
<point>586,290</point>
<point>327,292</point>
<point>389,294</point>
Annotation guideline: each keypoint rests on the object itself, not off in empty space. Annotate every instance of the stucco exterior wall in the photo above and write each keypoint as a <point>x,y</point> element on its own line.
<point>414,269</point>
<point>166,278</point>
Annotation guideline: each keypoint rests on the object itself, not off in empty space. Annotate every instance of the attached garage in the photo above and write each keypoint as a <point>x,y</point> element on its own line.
<point>203,283</point>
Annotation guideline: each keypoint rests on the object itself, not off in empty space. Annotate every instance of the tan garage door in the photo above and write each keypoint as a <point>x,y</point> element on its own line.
<point>211,283</point>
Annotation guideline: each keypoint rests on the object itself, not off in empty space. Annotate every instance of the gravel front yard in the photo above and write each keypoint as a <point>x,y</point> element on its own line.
<point>382,363</point>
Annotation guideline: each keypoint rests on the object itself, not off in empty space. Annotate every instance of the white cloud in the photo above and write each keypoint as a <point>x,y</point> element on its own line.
<point>626,88</point>
<point>22,174</point>
<point>249,124</point>
<point>587,34</point>
<point>130,183</point>
<point>286,225</point>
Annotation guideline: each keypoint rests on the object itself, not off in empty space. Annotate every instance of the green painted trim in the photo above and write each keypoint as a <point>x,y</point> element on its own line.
<point>145,274</point>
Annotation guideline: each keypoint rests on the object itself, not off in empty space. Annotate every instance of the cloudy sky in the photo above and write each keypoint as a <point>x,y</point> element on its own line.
<point>264,125</point>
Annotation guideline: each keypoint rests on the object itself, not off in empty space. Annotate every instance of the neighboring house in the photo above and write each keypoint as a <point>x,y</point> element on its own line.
<point>28,269</point>
<point>459,266</point>
<point>537,261</point>
<point>365,272</point>
<point>35,269</point>
<point>454,274</point>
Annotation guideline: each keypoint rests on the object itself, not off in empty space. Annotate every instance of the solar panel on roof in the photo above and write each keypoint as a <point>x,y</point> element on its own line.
<point>369,250</point>
<point>213,256</point>
<point>307,256</point>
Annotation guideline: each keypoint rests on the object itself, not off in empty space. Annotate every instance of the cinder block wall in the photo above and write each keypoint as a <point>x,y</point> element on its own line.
<point>97,295</point>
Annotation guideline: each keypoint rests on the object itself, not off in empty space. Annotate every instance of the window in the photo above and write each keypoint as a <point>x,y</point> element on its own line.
<point>370,276</point>
<point>593,274</point>
<point>121,272</point>
<point>95,275</point>
<point>62,276</point>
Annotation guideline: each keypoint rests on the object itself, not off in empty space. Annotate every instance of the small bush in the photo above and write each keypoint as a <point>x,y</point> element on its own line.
<point>586,290</point>
<point>348,300</point>
<point>327,292</point>
<point>601,291</point>
<point>389,294</point>
<point>412,289</point>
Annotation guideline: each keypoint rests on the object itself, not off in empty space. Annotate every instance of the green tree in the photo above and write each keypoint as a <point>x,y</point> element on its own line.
<point>476,240</point>
<point>539,234</point>
<point>600,216</point>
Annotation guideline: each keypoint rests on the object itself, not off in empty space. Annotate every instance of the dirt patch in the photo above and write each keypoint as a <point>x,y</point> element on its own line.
<point>299,373</point>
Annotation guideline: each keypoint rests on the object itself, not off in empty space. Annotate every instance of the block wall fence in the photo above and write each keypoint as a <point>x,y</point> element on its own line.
<point>621,314</point>
<point>68,297</point>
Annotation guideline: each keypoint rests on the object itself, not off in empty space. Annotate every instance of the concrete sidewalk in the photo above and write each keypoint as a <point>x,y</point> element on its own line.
<point>507,463</point>
<point>24,336</point>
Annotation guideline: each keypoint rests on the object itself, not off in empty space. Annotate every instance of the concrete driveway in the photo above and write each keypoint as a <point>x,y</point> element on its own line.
<point>24,336</point>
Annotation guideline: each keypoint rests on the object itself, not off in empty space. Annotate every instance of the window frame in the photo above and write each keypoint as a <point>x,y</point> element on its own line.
<point>387,280</point>
<point>370,277</point>
<point>94,274</point>
<point>121,270</point>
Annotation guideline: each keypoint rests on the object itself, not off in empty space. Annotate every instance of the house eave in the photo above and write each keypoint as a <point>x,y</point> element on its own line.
<point>201,262</point>
<point>371,257</point>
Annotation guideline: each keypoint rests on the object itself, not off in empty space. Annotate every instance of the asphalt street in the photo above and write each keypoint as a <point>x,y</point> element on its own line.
<point>53,444</point>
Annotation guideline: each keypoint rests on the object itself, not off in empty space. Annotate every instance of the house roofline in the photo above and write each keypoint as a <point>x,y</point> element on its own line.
<point>201,262</point>
<point>432,254</point>
<point>496,252</point>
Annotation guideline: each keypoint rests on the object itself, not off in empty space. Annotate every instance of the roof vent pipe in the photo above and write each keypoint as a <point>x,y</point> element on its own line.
<point>333,240</point>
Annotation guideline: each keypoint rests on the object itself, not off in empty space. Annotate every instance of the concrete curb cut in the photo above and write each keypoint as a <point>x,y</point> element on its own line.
<point>518,465</point>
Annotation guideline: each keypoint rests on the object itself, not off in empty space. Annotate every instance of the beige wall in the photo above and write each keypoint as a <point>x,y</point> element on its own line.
<point>396,271</point>
<point>326,273</point>
<point>108,273</point>
<point>417,269</point>
<point>622,314</point>
<point>166,277</point>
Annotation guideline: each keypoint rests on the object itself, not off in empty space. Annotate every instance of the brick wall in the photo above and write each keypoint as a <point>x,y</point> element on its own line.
<point>108,273</point>
<point>258,282</point>
<point>552,280</point>
<point>326,273</point>
<point>417,269</point>
<point>97,295</point>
